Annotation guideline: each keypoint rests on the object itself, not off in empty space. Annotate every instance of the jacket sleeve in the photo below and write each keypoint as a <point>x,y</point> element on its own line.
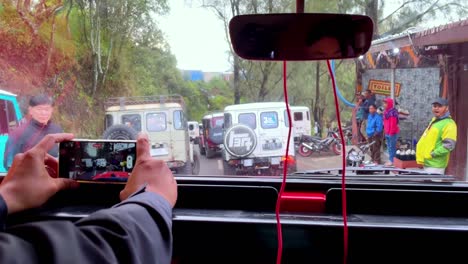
<point>137,230</point>
<point>11,149</point>
<point>449,140</point>
<point>379,124</point>
<point>54,130</point>
<point>393,125</point>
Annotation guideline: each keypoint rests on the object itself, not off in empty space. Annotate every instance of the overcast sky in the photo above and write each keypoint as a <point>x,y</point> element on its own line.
<point>197,36</point>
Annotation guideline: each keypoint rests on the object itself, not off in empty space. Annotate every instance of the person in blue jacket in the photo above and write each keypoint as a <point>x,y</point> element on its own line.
<point>374,132</point>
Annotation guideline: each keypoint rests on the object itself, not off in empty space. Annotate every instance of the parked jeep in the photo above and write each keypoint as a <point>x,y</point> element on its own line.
<point>163,119</point>
<point>255,139</point>
<point>10,115</point>
<point>212,134</point>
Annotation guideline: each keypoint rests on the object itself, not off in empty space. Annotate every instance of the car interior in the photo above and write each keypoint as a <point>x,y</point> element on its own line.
<point>390,218</point>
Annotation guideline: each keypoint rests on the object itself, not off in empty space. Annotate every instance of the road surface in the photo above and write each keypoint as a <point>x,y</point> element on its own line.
<point>214,166</point>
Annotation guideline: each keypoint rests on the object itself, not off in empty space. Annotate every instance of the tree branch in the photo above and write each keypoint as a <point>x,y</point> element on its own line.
<point>411,20</point>
<point>396,10</point>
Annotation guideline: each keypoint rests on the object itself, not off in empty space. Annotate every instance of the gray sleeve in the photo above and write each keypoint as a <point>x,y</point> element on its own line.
<point>137,230</point>
<point>449,144</point>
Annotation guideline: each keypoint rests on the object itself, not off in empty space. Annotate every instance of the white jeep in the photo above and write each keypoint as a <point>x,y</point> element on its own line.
<point>163,119</point>
<point>255,139</point>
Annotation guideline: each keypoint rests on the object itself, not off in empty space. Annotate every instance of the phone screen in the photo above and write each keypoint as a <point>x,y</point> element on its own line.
<point>104,161</point>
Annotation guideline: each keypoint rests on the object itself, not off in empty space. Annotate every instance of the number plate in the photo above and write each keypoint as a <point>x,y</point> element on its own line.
<point>159,152</point>
<point>248,162</point>
<point>275,161</point>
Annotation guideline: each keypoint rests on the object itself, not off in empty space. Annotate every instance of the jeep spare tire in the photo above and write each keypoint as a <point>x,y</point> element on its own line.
<point>240,141</point>
<point>215,135</point>
<point>120,132</point>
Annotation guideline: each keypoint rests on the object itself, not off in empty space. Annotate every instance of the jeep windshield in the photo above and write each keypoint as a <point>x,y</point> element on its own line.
<point>117,68</point>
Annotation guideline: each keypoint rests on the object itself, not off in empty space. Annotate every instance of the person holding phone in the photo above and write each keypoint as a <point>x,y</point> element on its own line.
<point>137,230</point>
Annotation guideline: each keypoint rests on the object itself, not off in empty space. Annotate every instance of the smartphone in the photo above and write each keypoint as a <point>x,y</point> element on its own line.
<point>97,160</point>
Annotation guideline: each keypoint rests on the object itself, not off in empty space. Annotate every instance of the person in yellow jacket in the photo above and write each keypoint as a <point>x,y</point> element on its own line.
<point>438,140</point>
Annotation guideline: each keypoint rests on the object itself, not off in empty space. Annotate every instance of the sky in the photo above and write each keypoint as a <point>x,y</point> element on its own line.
<point>197,37</point>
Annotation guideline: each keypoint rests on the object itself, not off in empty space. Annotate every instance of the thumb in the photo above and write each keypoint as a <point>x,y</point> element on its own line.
<point>63,183</point>
<point>124,194</point>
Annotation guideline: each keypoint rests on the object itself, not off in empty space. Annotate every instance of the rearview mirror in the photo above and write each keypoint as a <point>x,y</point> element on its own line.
<point>300,36</point>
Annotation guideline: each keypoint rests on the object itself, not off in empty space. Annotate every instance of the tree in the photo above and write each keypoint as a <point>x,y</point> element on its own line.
<point>254,79</point>
<point>115,23</point>
<point>408,13</point>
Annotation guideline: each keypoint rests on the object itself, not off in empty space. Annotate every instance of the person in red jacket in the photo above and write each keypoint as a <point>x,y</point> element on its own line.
<point>391,128</point>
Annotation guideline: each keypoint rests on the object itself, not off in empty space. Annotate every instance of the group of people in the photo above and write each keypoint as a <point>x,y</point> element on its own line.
<point>433,148</point>
<point>376,127</point>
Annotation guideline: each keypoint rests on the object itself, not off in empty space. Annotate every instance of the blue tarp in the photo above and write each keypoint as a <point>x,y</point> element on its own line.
<point>346,102</point>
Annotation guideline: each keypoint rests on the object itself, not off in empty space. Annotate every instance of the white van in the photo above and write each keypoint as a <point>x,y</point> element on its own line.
<point>301,121</point>
<point>255,139</point>
<point>194,131</point>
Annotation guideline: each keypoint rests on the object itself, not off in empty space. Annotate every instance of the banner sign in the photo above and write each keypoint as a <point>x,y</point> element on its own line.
<point>383,87</point>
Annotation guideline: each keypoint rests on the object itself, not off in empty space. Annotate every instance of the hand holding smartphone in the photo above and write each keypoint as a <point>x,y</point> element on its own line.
<point>97,160</point>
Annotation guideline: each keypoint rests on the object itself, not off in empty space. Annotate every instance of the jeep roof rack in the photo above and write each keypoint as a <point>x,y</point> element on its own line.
<point>137,100</point>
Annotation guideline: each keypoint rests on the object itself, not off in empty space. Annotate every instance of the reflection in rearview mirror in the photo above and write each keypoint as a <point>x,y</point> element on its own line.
<point>300,36</point>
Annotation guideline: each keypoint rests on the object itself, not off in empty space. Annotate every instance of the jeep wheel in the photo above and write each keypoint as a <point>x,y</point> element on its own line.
<point>120,132</point>
<point>337,148</point>
<point>202,149</point>
<point>185,170</point>
<point>228,169</point>
<point>210,153</point>
<point>196,163</point>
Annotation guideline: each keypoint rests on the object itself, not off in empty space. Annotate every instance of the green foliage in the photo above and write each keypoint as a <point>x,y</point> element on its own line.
<point>90,50</point>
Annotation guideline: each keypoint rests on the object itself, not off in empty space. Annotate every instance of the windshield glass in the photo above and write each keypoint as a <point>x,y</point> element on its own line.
<point>111,69</point>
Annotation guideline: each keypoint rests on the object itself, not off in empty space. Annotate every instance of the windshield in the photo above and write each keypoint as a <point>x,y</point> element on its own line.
<point>122,67</point>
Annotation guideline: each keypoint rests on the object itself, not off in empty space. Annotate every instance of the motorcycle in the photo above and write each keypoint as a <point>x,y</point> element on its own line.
<point>309,144</point>
<point>355,158</point>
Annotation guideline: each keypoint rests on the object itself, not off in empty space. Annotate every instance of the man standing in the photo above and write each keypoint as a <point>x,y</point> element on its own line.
<point>374,131</point>
<point>359,110</point>
<point>368,99</point>
<point>34,130</point>
<point>438,140</point>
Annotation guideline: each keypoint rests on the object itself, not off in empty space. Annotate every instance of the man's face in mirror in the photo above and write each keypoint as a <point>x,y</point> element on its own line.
<point>325,47</point>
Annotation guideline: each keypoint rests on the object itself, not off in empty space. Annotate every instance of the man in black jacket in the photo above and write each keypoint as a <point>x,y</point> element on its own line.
<point>35,128</point>
<point>137,230</point>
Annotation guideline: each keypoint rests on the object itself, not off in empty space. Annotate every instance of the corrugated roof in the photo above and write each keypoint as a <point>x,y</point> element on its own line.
<point>6,93</point>
<point>455,32</point>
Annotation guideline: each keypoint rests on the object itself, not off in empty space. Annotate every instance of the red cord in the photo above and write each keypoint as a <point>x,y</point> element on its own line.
<point>343,176</point>
<point>285,170</point>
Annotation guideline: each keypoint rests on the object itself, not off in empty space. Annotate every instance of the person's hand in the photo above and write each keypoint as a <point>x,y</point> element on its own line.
<point>155,173</point>
<point>28,183</point>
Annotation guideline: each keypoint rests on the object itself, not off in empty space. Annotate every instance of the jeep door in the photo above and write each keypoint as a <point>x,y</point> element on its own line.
<point>179,137</point>
<point>9,119</point>
<point>273,135</point>
<point>301,122</point>
<point>157,125</point>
